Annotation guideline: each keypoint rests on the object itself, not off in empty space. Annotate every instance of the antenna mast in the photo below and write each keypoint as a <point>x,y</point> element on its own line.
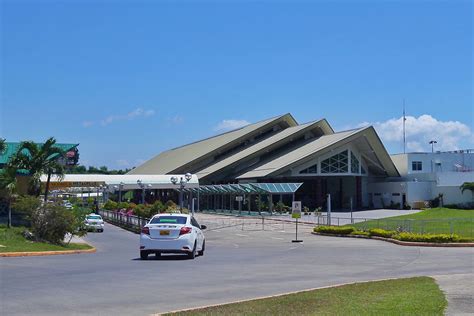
<point>404,134</point>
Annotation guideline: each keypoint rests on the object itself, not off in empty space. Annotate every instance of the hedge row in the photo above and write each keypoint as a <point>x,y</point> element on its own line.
<point>403,236</point>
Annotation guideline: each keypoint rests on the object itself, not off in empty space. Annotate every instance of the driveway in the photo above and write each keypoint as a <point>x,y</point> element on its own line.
<point>238,264</point>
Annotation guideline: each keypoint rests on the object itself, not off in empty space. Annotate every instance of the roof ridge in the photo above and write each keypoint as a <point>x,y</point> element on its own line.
<point>227,132</point>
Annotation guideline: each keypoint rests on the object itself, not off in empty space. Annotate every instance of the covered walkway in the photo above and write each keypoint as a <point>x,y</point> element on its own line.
<point>239,197</point>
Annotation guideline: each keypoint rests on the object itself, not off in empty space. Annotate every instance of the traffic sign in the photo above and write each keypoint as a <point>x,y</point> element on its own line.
<point>296,209</point>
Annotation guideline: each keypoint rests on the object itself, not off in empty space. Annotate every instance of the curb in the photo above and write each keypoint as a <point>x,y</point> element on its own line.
<point>276,295</point>
<point>46,253</point>
<point>403,243</point>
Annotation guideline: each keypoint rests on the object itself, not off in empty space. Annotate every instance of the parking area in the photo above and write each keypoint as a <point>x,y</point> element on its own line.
<point>238,264</point>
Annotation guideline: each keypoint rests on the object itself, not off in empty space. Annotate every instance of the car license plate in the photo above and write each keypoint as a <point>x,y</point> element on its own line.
<point>164,232</point>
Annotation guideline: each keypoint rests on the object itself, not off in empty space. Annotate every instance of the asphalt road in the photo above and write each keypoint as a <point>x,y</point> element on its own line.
<point>237,265</point>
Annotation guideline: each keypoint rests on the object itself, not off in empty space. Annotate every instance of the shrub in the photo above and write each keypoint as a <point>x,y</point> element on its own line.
<point>157,207</point>
<point>170,206</point>
<point>110,205</point>
<point>52,222</point>
<point>381,232</point>
<point>334,230</point>
<point>142,210</point>
<point>436,238</point>
<point>26,205</point>
<point>123,205</point>
<point>280,207</point>
<point>360,233</point>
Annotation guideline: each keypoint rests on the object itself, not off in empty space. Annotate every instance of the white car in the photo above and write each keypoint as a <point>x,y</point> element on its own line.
<point>94,222</point>
<point>172,233</point>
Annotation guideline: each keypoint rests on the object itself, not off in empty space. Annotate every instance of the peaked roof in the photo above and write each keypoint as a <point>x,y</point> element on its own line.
<point>283,137</point>
<point>296,156</point>
<point>180,157</point>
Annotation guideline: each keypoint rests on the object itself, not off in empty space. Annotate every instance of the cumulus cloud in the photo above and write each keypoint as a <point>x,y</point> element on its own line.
<point>137,113</point>
<point>227,125</point>
<point>450,135</point>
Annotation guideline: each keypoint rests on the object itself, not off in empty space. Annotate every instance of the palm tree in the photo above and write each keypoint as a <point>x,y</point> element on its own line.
<point>467,186</point>
<point>8,184</point>
<point>38,160</point>
<point>3,145</point>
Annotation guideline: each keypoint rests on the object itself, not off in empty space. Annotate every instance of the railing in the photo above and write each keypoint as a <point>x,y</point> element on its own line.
<point>460,226</point>
<point>130,222</point>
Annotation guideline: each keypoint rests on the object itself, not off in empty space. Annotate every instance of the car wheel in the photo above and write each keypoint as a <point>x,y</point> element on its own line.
<point>192,254</point>
<point>201,252</point>
<point>143,255</point>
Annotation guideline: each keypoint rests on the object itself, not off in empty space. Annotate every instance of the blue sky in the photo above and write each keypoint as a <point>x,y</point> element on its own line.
<point>128,79</point>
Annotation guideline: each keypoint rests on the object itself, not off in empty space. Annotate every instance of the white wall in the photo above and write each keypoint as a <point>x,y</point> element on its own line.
<point>453,195</point>
<point>432,162</point>
<point>454,178</point>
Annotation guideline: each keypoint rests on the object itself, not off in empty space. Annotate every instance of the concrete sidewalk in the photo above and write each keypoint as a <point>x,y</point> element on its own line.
<point>459,291</point>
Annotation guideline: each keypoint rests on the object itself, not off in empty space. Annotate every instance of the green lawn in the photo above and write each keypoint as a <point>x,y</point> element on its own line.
<point>413,296</point>
<point>11,240</point>
<point>434,221</point>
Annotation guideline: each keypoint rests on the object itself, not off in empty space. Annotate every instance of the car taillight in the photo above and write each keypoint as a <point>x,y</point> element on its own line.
<point>146,230</point>
<point>185,230</point>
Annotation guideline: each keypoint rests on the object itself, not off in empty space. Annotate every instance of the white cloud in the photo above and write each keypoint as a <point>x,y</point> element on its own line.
<point>450,135</point>
<point>227,125</point>
<point>87,124</point>
<point>137,113</point>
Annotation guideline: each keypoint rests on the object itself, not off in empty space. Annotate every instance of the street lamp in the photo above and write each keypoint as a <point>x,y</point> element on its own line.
<point>432,142</point>
<point>119,188</point>
<point>182,183</point>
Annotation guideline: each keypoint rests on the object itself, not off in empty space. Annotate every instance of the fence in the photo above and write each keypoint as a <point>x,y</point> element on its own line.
<point>130,222</point>
<point>135,223</point>
<point>460,226</point>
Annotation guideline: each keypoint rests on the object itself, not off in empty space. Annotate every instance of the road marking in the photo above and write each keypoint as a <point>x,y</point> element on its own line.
<point>279,238</point>
<point>240,235</point>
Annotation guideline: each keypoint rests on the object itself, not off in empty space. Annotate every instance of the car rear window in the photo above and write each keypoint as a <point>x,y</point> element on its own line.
<point>94,217</point>
<point>169,220</point>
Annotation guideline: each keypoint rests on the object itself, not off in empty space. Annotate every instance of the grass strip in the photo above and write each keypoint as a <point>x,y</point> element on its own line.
<point>410,296</point>
<point>12,240</point>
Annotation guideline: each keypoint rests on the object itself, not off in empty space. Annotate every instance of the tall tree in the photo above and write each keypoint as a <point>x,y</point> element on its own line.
<point>467,186</point>
<point>38,160</point>
<point>8,185</point>
<point>3,145</point>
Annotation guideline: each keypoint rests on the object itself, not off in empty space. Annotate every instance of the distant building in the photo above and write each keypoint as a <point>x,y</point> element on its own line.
<point>70,159</point>
<point>424,176</point>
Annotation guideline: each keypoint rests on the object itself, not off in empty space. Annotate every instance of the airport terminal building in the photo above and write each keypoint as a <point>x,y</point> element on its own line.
<point>279,150</point>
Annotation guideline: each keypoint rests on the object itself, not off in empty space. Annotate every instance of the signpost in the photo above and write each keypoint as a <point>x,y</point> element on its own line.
<point>239,198</point>
<point>296,213</point>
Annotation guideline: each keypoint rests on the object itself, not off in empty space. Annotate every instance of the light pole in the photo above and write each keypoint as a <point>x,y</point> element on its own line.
<point>182,183</point>
<point>119,188</point>
<point>142,186</point>
<point>432,142</point>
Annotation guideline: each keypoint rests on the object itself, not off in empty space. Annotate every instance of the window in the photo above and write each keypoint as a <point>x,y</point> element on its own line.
<point>169,220</point>
<point>194,223</point>
<point>312,169</point>
<point>354,163</point>
<point>416,166</point>
<point>336,164</point>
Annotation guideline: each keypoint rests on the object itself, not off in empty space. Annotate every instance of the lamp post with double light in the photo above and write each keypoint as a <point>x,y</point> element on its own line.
<point>182,183</point>
<point>119,188</point>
